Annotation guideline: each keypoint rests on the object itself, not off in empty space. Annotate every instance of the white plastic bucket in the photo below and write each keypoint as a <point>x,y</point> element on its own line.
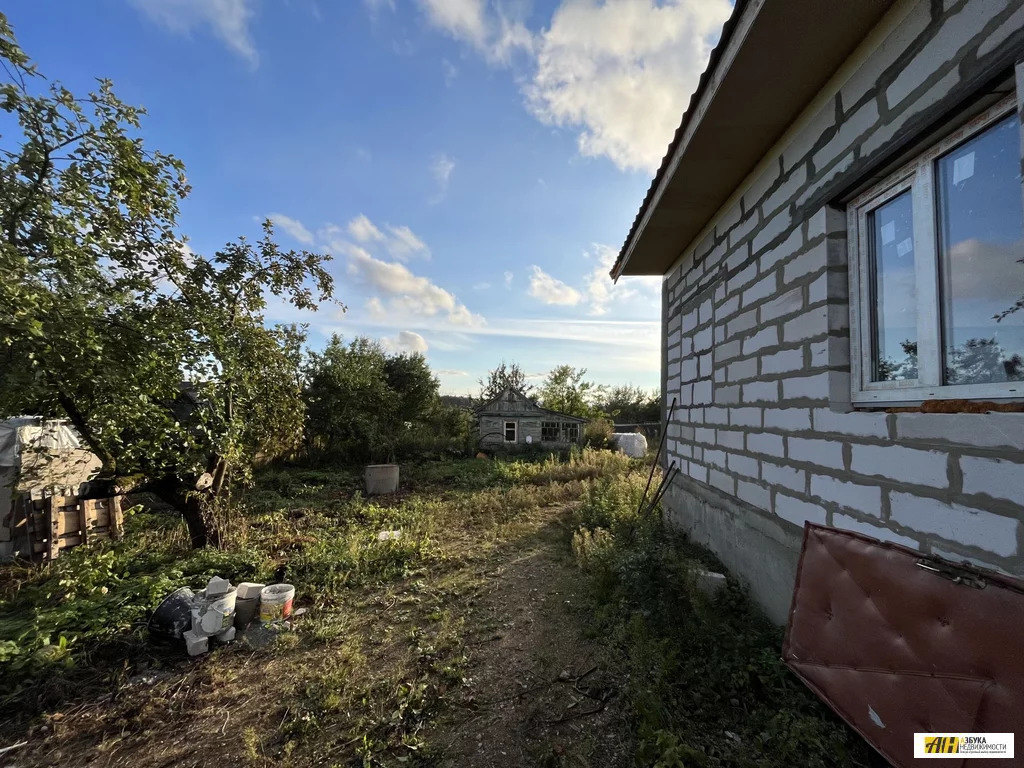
<point>211,616</point>
<point>276,602</point>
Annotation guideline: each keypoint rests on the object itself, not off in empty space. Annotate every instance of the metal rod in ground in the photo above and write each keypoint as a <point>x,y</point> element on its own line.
<point>662,487</point>
<point>661,444</point>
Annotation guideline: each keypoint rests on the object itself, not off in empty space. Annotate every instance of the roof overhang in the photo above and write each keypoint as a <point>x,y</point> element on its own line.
<point>773,58</point>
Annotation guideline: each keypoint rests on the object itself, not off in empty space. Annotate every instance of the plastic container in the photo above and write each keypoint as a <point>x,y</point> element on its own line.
<point>211,616</point>
<point>381,478</point>
<point>173,617</point>
<point>276,603</point>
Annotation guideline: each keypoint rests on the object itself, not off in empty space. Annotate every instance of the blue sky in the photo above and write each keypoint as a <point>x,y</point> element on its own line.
<point>473,166</point>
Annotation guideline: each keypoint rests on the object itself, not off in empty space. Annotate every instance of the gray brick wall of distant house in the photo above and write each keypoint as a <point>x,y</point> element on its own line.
<point>756,339</point>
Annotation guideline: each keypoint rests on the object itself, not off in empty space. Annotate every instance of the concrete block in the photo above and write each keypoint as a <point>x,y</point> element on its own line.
<point>227,636</point>
<point>813,260</point>
<point>731,439</point>
<point>1003,31</point>
<point>830,286</point>
<point>704,311</point>
<point>727,351</point>
<point>704,436</point>
<point>248,590</point>
<point>863,498</point>
<point>754,494</point>
<point>993,477</point>
<point>789,302</point>
<point>788,419</point>
<point>703,339</point>
<point>813,387</point>
<point>852,127</point>
<point>833,352</point>
<point>745,417</point>
<point>905,465</point>
<point>742,323</point>
<point>743,277</point>
<point>761,391</point>
<point>809,325</point>
<point>783,361</point>
<point>776,226</point>
<point>743,465</point>
<point>766,444</point>
<point>823,453</point>
<point>702,392</point>
<point>762,289</point>
<point>698,472</point>
<point>743,369</point>
<point>859,424</point>
<point>798,511</point>
<point>714,458</point>
<point>848,523</point>
<point>688,369</point>
<point>767,337</point>
<point>727,308</point>
<point>195,644</point>
<point>786,190</point>
<point>782,476</point>
<point>759,187</point>
<point>980,430</point>
<point>722,481</point>
<point>964,525</point>
<point>716,416</point>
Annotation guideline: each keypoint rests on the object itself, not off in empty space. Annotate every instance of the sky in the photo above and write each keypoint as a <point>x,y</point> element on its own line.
<point>472,166</point>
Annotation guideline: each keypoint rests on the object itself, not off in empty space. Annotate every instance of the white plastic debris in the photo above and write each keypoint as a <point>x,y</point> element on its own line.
<point>389,536</point>
<point>633,444</point>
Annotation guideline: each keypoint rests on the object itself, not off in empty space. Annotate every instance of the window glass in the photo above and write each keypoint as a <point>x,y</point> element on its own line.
<point>510,431</point>
<point>549,431</point>
<point>981,245</point>
<point>894,290</point>
<point>572,432</point>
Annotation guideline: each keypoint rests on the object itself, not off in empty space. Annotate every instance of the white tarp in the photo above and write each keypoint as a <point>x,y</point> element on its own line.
<point>633,444</point>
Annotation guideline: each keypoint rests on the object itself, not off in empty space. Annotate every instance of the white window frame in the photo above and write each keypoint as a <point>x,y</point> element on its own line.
<point>515,431</point>
<point>919,177</point>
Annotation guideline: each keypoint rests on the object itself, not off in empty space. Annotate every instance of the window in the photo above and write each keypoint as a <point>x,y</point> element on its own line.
<point>549,431</point>
<point>572,432</point>
<point>937,277</point>
<point>510,431</point>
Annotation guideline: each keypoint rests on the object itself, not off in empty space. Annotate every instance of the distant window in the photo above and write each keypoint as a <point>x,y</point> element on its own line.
<point>549,432</point>
<point>510,431</point>
<point>937,254</point>
<point>571,432</point>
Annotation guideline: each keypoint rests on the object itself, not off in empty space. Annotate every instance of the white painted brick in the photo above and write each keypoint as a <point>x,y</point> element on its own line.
<point>767,337</point>
<point>807,326</point>
<point>702,392</point>
<point>788,419</point>
<point>797,511</point>
<point>860,424</point>
<point>755,495</point>
<point>766,443</point>
<point>731,438</point>
<point>973,527</point>
<point>722,482</point>
<point>760,290</point>
<point>787,477</point>
<point>761,391</point>
<point>863,498</point>
<point>823,453</point>
<point>743,465</point>
<point>784,361</point>
<point>815,386</point>
<point>743,369</point>
<point>993,477</point>
<point>983,430</point>
<point>745,417</point>
<point>847,523</point>
<point>907,465</point>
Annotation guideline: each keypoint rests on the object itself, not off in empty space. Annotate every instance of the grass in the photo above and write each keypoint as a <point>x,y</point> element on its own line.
<point>385,646</point>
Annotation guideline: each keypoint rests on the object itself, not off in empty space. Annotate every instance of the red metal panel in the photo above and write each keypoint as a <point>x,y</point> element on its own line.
<point>895,647</point>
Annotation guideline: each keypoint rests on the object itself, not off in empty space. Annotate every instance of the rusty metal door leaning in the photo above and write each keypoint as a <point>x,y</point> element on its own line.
<point>899,643</point>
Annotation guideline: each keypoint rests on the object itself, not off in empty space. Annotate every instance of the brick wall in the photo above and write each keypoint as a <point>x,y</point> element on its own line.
<point>756,334</point>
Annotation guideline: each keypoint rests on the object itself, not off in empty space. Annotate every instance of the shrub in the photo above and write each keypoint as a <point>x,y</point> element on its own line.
<point>598,433</point>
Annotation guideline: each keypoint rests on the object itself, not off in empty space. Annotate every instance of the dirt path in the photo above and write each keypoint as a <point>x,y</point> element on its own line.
<point>539,692</point>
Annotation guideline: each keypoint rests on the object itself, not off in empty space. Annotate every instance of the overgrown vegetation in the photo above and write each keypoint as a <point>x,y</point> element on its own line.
<point>705,683</point>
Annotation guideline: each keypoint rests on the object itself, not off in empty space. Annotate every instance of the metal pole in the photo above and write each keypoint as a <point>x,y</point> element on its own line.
<point>661,444</point>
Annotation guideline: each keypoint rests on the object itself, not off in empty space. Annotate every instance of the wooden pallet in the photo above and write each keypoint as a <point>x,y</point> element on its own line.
<point>50,525</point>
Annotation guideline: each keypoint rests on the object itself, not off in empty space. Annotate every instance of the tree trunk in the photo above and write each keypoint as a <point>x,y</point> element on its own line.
<point>189,498</point>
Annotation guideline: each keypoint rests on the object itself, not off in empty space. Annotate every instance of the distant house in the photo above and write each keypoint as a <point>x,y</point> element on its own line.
<point>839,227</point>
<point>513,419</point>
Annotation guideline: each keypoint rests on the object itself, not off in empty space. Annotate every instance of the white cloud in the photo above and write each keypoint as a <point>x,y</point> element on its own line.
<point>601,291</point>
<point>408,342</point>
<point>508,279</point>
<point>550,290</point>
<point>293,227</point>
<point>408,295</point>
<point>227,19</point>
<point>494,35</point>
<point>622,71</point>
<point>375,6</point>
<point>450,72</point>
<point>481,286</point>
<point>451,372</point>
<point>363,230</point>
<point>442,167</point>
<point>403,243</point>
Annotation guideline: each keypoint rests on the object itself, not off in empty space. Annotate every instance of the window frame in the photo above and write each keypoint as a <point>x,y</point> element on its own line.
<point>918,176</point>
<point>515,431</point>
<point>546,426</point>
<point>571,431</point>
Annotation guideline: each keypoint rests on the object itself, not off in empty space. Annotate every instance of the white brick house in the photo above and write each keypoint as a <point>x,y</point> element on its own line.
<point>839,221</point>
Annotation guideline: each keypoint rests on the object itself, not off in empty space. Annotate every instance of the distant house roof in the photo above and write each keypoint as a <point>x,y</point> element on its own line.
<point>513,395</point>
<point>770,62</point>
